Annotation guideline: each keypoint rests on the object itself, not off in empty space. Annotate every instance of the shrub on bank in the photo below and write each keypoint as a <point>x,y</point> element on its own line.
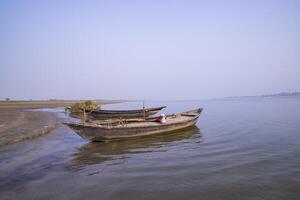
<point>81,106</point>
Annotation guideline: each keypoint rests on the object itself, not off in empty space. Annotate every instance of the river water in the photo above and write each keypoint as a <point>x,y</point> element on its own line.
<point>241,149</point>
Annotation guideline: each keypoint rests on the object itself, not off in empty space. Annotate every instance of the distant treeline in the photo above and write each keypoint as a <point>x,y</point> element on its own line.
<point>281,94</point>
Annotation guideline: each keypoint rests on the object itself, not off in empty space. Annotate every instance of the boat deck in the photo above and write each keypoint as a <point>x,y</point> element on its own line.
<point>172,119</point>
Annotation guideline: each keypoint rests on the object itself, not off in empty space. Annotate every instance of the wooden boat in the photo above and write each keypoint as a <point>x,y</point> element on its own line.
<point>108,114</point>
<point>118,129</point>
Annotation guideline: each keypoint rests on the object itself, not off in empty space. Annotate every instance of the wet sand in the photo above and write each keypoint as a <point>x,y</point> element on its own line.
<point>17,125</point>
<point>21,120</point>
<point>48,103</point>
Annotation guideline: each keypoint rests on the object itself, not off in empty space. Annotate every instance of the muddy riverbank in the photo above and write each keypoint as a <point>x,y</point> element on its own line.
<point>17,125</point>
<point>24,120</point>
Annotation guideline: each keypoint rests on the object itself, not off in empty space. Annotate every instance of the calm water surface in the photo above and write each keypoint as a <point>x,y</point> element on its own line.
<point>246,149</point>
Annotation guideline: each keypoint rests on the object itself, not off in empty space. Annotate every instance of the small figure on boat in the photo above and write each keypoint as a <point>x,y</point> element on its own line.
<point>161,119</point>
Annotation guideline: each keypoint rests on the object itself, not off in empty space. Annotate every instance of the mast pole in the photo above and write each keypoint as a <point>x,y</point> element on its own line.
<point>84,116</point>
<point>144,115</point>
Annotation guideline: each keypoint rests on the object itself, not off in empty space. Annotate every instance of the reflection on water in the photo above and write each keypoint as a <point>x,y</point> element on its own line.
<point>98,152</point>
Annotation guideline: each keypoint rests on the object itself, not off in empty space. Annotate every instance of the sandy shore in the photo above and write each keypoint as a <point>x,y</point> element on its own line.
<point>18,124</point>
<point>48,103</point>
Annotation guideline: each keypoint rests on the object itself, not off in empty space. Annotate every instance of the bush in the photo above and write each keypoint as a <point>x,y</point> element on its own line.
<point>87,105</point>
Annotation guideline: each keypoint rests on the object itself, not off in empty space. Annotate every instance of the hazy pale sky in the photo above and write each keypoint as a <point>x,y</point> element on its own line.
<point>148,49</point>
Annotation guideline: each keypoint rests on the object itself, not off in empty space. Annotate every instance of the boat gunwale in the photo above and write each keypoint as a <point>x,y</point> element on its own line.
<point>126,111</point>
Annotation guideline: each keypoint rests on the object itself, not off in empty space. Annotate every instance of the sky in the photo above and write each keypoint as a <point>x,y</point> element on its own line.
<point>151,49</point>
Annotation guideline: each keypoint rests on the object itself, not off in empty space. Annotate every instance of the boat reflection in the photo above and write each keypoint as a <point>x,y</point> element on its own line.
<point>98,152</point>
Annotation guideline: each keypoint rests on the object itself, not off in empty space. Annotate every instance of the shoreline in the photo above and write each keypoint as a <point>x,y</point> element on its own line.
<point>34,134</point>
<point>24,104</point>
<point>18,124</point>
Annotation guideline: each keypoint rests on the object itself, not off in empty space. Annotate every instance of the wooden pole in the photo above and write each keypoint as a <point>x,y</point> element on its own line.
<point>84,116</point>
<point>144,115</point>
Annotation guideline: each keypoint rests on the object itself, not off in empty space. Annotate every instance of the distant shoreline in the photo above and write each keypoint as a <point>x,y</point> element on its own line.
<point>276,95</point>
<point>28,104</point>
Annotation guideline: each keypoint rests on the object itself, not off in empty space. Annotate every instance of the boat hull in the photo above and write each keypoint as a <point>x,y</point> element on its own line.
<point>102,134</point>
